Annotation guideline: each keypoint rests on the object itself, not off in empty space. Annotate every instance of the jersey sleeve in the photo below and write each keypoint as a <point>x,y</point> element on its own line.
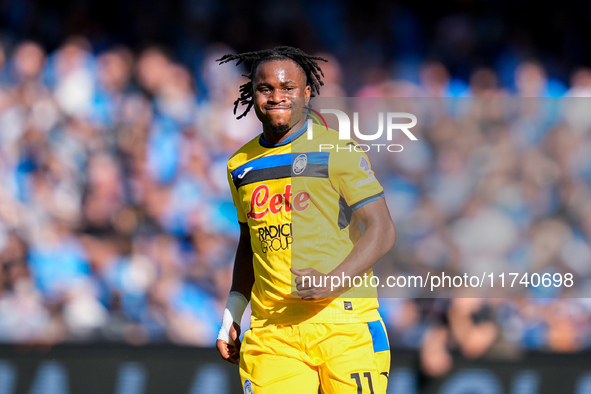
<point>239,208</point>
<point>353,178</point>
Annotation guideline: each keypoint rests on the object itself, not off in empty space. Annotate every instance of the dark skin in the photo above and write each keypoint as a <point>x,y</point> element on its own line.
<point>280,90</point>
<point>242,282</point>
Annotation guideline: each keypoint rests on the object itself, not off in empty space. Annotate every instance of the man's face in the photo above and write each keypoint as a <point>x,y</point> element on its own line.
<point>276,85</point>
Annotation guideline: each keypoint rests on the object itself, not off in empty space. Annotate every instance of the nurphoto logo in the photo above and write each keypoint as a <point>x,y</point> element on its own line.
<point>391,122</point>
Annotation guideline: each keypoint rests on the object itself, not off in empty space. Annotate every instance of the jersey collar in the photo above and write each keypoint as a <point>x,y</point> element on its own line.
<point>286,141</point>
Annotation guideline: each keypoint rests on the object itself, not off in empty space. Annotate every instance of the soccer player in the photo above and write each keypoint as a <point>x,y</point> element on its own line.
<point>304,335</point>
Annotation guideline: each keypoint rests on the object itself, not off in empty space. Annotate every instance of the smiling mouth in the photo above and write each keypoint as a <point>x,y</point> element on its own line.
<point>277,108</point>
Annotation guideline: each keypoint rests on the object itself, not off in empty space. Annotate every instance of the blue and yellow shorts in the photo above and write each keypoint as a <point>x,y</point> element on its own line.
<point>301,358</point>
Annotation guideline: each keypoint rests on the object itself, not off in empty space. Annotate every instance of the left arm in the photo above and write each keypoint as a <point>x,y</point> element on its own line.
<point>379,237</point>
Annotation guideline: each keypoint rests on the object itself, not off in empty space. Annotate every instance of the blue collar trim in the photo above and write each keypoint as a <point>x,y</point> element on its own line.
<point>286,141</point>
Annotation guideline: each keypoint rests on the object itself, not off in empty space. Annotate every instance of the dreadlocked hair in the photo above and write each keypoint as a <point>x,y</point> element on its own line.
<point>309,64</point>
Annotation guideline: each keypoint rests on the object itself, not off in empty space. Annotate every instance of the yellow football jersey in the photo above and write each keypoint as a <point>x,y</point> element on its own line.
<point>299,203</point>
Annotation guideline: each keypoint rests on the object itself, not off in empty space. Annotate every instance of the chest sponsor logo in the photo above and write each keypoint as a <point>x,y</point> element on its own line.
<point>262,202</point>
<point>274,238</point>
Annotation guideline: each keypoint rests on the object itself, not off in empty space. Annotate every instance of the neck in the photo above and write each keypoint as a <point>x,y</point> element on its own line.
<point>276,138</point>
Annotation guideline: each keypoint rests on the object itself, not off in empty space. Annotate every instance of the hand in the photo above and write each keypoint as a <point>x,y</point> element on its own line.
<point>231,351</point>
<point>307,291</point>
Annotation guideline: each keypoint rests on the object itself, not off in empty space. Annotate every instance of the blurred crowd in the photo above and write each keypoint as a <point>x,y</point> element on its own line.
<point>116,221</point>
<point>115,217</point>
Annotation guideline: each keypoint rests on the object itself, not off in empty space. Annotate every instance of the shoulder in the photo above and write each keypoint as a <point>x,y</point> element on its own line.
<point>326,135</point>
<point>320,139</point>
<point>244,154</point>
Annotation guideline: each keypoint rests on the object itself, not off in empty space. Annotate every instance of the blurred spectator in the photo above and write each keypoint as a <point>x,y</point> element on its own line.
<point>531,80</point>
<point>463,324</point>
<point>484,82</point>
<point>575,105</point>
<point>73,74</point>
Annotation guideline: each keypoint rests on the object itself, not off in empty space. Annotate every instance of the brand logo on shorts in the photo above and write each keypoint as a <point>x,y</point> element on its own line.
<point>247,387</point>
<point>300,163</point>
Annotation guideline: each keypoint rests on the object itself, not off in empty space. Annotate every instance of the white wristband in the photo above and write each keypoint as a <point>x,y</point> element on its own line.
<point>235,307</point>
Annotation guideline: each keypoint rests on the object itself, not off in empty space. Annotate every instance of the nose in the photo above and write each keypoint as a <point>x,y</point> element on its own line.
<point>278,96</point>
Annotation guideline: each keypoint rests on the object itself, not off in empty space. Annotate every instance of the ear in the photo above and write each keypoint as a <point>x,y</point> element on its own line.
<point>307,95</point>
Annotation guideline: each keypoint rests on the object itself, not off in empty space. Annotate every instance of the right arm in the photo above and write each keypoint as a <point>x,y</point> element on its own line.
<point>243,275</point>
<point>228,342</point>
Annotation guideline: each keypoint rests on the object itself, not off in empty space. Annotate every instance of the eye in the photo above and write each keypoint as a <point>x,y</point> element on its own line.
<point>264,90</point>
